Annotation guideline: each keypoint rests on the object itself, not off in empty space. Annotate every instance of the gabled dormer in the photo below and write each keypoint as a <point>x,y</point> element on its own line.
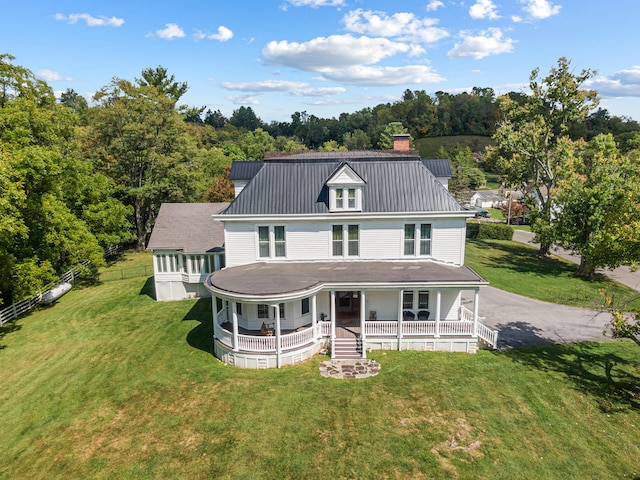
<point>345,190</point>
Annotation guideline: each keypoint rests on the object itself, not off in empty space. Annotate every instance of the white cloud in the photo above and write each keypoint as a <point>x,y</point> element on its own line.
<point>91,21</point>
<point>297,89</point>
<point>483,9</point>
<point>540,9</point>
<point>223,34</point>
<point>336,51</point>
<point>264,86</point>
<point>434,5</point>
<point>51,76</point>
<point>243,100</point>
<point>314,3</point>
<point>490,42</point>
<point>171,31</point>
<point>516,18</point>
<point>383,76</point>
<point>623,83</point>
<point>403,25</point>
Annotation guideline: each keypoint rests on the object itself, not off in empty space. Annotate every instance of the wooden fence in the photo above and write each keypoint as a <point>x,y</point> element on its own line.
<point>15,310</point>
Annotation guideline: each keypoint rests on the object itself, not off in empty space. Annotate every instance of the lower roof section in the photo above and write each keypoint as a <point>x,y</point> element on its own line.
<point>290,280</point>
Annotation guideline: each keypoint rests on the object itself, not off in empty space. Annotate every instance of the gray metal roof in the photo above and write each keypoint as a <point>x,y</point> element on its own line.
<point>188,227</point>
<point>289,188</point>
<point>440,167</point>
<point>265,279</point>
<point>244,169</point>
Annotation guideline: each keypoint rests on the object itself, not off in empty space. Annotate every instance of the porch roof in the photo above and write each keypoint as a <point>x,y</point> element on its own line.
<point>262,280</point>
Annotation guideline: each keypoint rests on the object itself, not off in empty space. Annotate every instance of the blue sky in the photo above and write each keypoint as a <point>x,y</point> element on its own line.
<point>325,56</point>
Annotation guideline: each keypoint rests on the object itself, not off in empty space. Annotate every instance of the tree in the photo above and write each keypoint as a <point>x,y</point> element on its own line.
<point>215,119</point>
<point>221,189</point>
<point>622,324</point>
<point>356,140</point>
<point>141,142</point>
<point>386,137</point>
<point>159,78</point>
<point>533,141</point>
<point>597,207</point>
<point>77,103</point>
<point>245,118</point>
<point>332,146</point>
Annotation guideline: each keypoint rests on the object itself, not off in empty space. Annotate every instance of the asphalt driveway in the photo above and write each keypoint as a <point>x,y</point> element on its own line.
<point>522,321</point>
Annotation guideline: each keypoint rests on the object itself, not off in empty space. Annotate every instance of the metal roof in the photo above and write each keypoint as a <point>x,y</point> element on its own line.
<point>440,167</point>
<point>268,279</point>
<point>290,188</point>
<point>244,169</point>
<point>188,227</point>
<point>390,155</point>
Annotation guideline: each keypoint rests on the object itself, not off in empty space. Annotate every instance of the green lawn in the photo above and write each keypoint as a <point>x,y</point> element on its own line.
<point>514,267</point>
<point>110,384</point>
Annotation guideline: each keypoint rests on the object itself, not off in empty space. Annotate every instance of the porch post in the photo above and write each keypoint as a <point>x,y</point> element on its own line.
<point>400,313</point>
<point>333,323</point>
<point>314,316</point>
<point>476,299</point>
<point>278,346</point>
<point>234,319</point>
<point>362,323</point>
<point>214,310</point>
<point>438,301</point>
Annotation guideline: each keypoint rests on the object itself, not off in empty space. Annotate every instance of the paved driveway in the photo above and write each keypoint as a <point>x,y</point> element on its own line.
<point>522,321</point>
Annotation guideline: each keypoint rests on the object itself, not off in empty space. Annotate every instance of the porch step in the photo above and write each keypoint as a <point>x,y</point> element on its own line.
<point>347,348</point>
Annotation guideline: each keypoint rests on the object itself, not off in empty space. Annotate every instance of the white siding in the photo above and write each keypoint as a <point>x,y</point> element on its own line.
<point>379,240</point>
<point>238,186</point>
<point>239,243</point>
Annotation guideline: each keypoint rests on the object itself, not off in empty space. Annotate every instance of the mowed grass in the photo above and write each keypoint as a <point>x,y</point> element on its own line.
<point>514,267</point>
<point>110,384</point>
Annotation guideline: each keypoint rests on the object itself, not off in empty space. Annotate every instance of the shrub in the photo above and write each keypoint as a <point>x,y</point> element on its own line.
<point>495,231</point>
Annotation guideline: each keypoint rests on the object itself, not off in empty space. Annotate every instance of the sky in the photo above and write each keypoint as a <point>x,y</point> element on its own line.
<point>326,57</point>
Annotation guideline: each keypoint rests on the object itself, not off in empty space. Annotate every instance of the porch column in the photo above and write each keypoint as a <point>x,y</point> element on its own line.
<point>234,319</point>
<point>362,323</point>
<point>476,299</point>
<point>278,346</point>
<point>438,301</point>
<point>314,316</point>
<point>400,313</point>
<point>332,311</point>
<point>214,310</point>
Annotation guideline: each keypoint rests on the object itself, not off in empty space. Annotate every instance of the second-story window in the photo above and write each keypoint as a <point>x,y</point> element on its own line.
<point>420,234</point>
<point>272,242</point>
<point>349,234</point>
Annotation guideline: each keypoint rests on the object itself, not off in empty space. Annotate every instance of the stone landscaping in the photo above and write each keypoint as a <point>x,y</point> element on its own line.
<point>340,369</point>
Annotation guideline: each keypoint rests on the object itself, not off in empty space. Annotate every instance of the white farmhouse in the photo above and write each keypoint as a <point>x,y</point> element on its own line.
<point>341,252</point>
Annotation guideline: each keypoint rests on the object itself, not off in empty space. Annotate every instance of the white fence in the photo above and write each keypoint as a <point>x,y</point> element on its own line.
<point>15,310</point>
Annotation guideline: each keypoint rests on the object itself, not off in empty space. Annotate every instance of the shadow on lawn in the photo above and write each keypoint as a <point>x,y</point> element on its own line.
<point>8,328</point>
<point>149,288</point>
<point>201,336</point>
<point>613,380</point>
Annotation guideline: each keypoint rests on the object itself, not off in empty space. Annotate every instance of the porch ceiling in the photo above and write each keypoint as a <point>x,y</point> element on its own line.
<point>273,279</point>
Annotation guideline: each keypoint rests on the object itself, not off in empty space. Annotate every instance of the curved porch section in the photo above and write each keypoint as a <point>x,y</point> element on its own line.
<point>267,315</point>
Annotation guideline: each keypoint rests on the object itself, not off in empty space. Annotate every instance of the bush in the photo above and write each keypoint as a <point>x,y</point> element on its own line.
<point>472,230</point>
<point>495,231</point>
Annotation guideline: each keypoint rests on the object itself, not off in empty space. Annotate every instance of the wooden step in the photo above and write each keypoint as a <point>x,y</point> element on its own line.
<point>347,348</point>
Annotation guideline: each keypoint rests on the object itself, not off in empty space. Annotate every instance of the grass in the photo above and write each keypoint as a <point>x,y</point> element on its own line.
<point>513,267</point>
<point>110,384</point>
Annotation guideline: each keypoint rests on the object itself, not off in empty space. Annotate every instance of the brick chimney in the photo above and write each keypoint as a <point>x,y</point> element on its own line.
<point>401,142</point>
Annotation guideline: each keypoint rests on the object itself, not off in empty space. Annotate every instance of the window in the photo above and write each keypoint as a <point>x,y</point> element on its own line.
<point>337,241</point>
<point>425,239</point>
<point>423,300</point>
<point>263,311</point>
<point>166,262</point>
<point>272,242</point>
<point>417,233</point>
<point>239,308</point>
<point>278,233</point>
<point>263,242</point>
<point>409,239</point>
<point>219,304</point>
<point>281,311</point>
<point>407,300</point>
<point>353,240</point>
<point>305,306</point>
<point>339,199</point>
<point>352,199</point>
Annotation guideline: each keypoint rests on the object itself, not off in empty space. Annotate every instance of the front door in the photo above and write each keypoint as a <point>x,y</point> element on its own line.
<point>348,308</point>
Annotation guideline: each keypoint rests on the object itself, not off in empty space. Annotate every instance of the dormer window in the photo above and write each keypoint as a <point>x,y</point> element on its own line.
<point>345,190</point>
